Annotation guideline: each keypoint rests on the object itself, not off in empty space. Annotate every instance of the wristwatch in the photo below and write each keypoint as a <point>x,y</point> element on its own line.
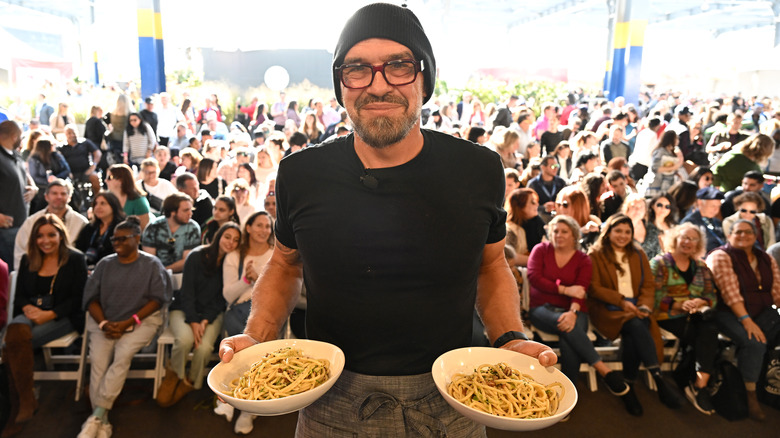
<point>509,336</point>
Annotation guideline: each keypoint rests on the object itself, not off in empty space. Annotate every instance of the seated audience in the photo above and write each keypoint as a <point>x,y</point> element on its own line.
<point>708,202</point>
<point>746,155</point>
<point>240,271</point>
<point>750,207</point>
<point>559,274</point>
<point>208,179</point>
<point>660,219</point>
<point>123,297</point>
<point>47,301</point>
<point>45,165</point>
<point>684,298</point>
<point>749,283</point>
<point>239,191</point>
<point>224,212</point>
<point>573,203</point>
<point>187,183</point>
<point>57,197</point>
<point>94,240</point>
<point>524,227</point>
<point>131,197</point>
<point>620,303</point>
<point>172,236</point>
<point>156,189</point>
<point>196,315</point>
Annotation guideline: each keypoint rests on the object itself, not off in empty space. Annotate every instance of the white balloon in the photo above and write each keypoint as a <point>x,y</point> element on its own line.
<point>276,78</point>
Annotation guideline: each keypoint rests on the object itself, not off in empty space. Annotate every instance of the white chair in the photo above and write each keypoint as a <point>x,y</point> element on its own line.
<point>164,338</point>
<point>49,359</point>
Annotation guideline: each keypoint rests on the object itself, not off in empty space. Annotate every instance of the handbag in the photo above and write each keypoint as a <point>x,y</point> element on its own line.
<point>730,396</point>
<point>768,387</point>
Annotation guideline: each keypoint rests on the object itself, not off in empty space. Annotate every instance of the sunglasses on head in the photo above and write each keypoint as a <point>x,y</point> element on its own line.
<point>745,210</point>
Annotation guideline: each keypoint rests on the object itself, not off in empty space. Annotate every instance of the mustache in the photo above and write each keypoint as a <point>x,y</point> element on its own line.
<point>387,98</point>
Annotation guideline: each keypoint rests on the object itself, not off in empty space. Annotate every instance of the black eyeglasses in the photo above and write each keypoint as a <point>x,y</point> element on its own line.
<point>396,72</point>
<point>666,206</point>
<point>745,210</point>
<point>121,239</point>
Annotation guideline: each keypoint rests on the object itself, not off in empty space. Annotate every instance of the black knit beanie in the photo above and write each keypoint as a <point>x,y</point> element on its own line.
<point>383,20</point>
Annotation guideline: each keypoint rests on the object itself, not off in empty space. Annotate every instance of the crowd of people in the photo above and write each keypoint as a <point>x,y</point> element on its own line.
<point>632,217</point>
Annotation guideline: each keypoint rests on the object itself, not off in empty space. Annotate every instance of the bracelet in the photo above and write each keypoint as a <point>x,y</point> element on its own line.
<point>136,319</point>
<point>246,280</point>
<point>102,324</point>
<point>743,317</point>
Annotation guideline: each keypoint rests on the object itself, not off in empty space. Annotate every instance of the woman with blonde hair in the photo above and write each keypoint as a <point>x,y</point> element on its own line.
<point>635,207</point>
<point>117,123</point>
<point>684,297</point>
<point>506,142</point>
<point>749,154</point>
<point>61,118</point>
<point>190,160</point>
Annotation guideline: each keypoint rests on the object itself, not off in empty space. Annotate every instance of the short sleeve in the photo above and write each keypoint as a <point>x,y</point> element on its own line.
<point>496,188</point>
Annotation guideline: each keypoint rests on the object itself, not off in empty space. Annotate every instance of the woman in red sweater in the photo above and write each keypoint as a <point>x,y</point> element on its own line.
<point>559,274</point>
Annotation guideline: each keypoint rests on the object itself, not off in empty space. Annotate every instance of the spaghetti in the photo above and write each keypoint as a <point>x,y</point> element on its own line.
<point>279,374</point>
<point>503,391</point>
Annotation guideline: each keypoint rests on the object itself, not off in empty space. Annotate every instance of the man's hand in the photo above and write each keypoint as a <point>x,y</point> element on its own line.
<point>6,221</point>
<point>539,351</point>
<point>753,330</point>
<point>232,345</point>
<point>29,193</point>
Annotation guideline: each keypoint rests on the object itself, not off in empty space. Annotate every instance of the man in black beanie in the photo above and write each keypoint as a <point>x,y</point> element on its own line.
<point>395,252</point>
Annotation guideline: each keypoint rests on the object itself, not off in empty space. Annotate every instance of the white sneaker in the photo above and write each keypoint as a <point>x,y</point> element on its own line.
<point>244,424</point>
<point>105,431</point>
<point>225,410</point>
<point>90,427</point>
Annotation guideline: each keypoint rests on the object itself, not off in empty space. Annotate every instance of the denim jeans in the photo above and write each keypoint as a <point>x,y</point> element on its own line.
<point>46,332</point>
<point>575,346</point>
<point>750,352</point>
<point>637,346</point>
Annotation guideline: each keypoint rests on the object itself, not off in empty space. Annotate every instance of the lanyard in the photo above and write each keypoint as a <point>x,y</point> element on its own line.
<point>550,196</point>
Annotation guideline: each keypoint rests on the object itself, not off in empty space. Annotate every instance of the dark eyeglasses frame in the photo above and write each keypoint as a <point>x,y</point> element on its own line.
<point>121,239</point>
<point>666,206</point>
<point>745,210</point>
<point>418,67</point>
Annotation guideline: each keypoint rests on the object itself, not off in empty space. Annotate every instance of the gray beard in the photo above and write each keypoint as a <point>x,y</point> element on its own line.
<point>382,132</point>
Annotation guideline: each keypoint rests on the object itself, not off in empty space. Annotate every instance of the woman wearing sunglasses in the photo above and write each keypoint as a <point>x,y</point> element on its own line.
<point>749,206</point>
<point>660,218</point>
<point>572,202</point>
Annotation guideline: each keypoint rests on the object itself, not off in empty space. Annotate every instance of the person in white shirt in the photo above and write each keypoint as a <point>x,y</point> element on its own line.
<point>57,197</point>
<point>156,188</point>
<point>641,158</point>
<point>167,117</point>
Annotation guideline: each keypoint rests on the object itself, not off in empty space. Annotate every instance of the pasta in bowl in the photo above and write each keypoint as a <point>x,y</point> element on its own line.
<point>277,377</point>
<point>503,389</point>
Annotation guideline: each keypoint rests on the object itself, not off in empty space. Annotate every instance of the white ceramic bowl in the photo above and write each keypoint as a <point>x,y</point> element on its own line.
<point>221,375</point>
<point>465,360</point>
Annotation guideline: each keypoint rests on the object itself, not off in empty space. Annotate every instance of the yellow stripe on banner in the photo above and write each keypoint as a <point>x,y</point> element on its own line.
<point>158,26</point>
<point>637,32</point>
<point>621,35</point>
<point>609,65</point>
<point>145,23</point>
<point>94,56</point>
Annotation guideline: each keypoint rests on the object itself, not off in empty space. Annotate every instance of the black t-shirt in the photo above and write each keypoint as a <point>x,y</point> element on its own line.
<point>79,156</point>
<point>391,271</point>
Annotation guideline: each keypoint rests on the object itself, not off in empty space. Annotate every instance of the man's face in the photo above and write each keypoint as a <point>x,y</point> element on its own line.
<point>742,236</point>
<point>511,184</point>
<point>212,125</point>
<point>382,114</point>
<point>709,207</point>
<point>684,117</point>
<point>191,188</point>
<point>548,168</point>
<point>70,135</point>
<point>13,140</point>
<point>617,136</point>
<point>165,100</point>
<point>751,185</point>
<point>150,174</point>
<point>183,215</point>
<point>618,187</point>
<point>181,131</point>
<point>57,197</point>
